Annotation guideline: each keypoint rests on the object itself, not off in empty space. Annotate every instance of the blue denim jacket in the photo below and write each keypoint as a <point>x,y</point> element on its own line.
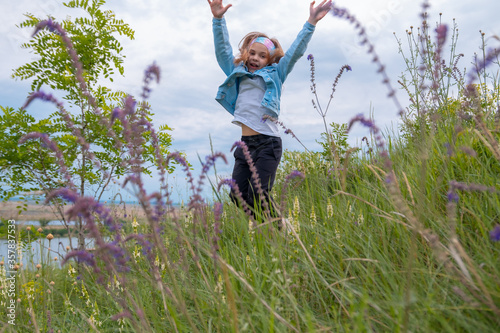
<point>274,75</point>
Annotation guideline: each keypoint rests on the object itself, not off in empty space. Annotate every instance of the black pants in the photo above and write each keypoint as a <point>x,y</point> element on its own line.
<point>265,152</point>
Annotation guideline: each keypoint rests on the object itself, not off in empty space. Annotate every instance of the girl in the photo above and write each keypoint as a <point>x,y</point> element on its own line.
<point>252,90</point>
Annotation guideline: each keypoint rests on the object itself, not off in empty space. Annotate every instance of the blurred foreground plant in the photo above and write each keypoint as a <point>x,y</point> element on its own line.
<point>73,59</point>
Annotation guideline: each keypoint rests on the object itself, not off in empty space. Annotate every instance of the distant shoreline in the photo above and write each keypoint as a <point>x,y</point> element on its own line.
<point>40,211</point>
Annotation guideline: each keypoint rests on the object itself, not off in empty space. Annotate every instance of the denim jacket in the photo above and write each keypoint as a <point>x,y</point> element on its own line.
<point>274,75</point>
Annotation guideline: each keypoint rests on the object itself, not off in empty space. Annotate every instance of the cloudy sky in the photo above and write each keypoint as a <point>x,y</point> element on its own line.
<point>178,36</point>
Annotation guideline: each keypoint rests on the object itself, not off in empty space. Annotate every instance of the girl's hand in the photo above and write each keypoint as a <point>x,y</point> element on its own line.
<point>317,13</point>
<point>218,9</point>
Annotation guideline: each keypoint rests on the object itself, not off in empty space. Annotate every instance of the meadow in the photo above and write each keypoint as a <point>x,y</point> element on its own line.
<point>400,234</point>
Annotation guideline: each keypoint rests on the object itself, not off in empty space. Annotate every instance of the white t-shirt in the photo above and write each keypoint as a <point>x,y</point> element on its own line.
<point>249,110</point>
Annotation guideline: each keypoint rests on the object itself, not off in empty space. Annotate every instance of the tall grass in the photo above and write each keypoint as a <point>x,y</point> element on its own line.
<point>401,236</point>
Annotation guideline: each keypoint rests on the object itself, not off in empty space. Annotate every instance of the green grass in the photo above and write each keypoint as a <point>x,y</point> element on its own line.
<point>364,268</point>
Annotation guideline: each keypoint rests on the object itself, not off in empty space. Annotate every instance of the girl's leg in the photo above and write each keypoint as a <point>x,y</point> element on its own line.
<point>266,159</point>
<point>265,152</point>
<point>241,176</point>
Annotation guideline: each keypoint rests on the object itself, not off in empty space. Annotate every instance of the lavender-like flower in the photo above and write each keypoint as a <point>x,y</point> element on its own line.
<point>380,143</point>
<point>495,233</point>
<point>124,314</point>
<point>237,193</point>
<point>129,105</point>
<point>64,193</point>
<point>80,256</point>
<point>218,210</point>
<point>44,97</point>
<point>346,68</point>
<point>469,151</point>
<point>313,70</point>
<point>453,196</point>
<point>209,162</point>
<point>56,28</point>
<point>366,122</point>
<point>151,73</point>
<point>344,14</point>
<point>454,185</point>
<point>49,25</point>
<point>459,186</point>
<point>182,161</point>
<point>491,55</point>
<point>49,144</point>
<point>254,173</point>
<point>287,130</point>
<point>442,31</point>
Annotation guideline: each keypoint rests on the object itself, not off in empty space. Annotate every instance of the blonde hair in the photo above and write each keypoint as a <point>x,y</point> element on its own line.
<point>244,46</point>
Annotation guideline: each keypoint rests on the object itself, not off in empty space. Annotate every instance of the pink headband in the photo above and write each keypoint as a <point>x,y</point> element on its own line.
<point>266,42</point>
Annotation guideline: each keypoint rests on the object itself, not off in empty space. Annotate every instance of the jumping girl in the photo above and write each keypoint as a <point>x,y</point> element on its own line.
<point>252,89</point>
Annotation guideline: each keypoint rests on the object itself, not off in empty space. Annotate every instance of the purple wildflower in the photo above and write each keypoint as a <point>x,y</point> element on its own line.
<point>42,96</point>
<point>129,106</point>
<point>346,68</point>
<point>454,185</point>
<point>295,174</point>
<point>235,191</point>
<point>469,151</point>
<point>491,55</point>
<point>366,122</point>
<point>441,31</point>
<point>253,170</point>
<point>64,193</point>
<point>49,25</point>
<point>310,57</point>
<point>287,130</point>
<point>151,73</point>
<point>124,314</point>
<point>339,12</point>
<point>218,209</point>
<point>81,257</point>
<point>116,114</point>
<point>210,162</point>
<point>495,233</point>
<point>362,32</point>
<point>56,28</point>
<point>452,196</point>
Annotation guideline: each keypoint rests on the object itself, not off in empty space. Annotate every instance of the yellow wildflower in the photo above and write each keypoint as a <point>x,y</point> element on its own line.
<point>313,217</point>
<point>135,225</point>
<point>296,207</point>
<point>329,209</point>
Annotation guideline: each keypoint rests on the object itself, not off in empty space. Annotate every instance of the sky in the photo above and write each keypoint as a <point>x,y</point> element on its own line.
<point>177,35</point>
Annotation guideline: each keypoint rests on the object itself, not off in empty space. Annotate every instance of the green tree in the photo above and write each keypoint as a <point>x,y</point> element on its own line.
<point>95,149</point>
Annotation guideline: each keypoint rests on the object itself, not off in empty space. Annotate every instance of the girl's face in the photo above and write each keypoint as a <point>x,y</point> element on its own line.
<point>258,57</point>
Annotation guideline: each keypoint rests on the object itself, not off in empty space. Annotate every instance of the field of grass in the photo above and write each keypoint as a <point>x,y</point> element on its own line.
<point>399,235</point>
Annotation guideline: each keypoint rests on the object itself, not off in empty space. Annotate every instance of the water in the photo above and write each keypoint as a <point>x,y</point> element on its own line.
<point>37,252</point>
<point>37,223</point>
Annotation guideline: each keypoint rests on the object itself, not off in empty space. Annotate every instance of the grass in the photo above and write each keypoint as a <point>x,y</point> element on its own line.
<point>396,238</point>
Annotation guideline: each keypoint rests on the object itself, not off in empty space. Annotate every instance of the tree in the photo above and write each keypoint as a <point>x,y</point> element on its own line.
<point>74,57</point>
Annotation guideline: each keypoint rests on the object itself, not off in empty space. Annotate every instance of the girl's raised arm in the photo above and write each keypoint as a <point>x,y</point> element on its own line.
<point>218,9</point>
<point>318,12</point>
